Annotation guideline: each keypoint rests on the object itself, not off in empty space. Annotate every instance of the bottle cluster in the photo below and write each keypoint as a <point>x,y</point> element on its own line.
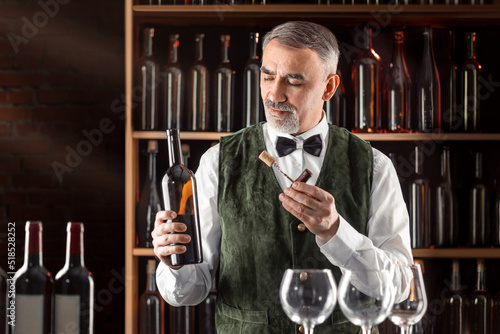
<point>36,301</point>
<point>166,93</point>
<point>435,217</point>
<point>155,317</point>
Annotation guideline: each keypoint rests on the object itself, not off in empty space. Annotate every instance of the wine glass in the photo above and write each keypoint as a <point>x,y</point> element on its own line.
<point>410,309</point>
<point>366,297</point>
<point>308,296</point>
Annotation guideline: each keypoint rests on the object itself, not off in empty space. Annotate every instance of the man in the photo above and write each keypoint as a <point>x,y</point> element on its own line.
<point>255,224</point>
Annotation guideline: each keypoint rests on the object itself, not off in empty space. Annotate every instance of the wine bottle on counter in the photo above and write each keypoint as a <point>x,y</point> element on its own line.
<point>3,301</point>
<point>446,231</point>
<point>419,205</point>
<point>149,202</point>
<point>448,90</point>
<point>469,87</point>
<point>428,89</point>
<point>453,320</point>
<point>479,231</point>
<point>224,89</point>
<point>151,305</point>
<point>34,287</point>
<point>335,108</point>
<point>397,88</point>
<point>198,90</point>
<point>366,82</point>
<point>480,303</point>
<point>146,78</point>
<point>180,195</point>
<point>74,287</point>
<point>253,111</point>
<point>172,87</point>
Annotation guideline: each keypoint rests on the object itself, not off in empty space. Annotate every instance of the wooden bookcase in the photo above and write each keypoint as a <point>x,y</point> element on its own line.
<point>270,15</point>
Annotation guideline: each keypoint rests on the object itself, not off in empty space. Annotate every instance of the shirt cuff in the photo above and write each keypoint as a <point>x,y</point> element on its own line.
<point>341,247</point>
<point>183,279</point>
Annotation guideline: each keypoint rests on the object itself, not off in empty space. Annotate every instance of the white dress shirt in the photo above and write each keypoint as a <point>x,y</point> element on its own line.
<point>387,241</point>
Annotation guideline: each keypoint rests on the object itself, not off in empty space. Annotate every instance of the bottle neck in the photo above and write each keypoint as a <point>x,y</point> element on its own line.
<point>471,45</point>
<point>151,282</point>
<point>254,40</point>
<point>398,47</point>
<point>148,42</point>
<point>152,150</point>
<point>455,276</point>
<point>199,47</point>
<point>479,166</point>
<point>418,161</point>
<point>174,46</point>
<point>367,42</point>
<point>174,147</point>
<point>427,42</point>
<point>445,165</point>
<point>480,276</point>
<point>224,42</point>
<point>33,255</point>
<point>74,245</point>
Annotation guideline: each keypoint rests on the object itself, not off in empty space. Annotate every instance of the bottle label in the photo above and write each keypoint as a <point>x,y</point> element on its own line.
<point>67,314</point>
<point>29,314</point>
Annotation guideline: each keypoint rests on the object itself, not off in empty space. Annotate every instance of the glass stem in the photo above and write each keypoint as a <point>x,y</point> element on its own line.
<point>366,330</point>
<point>308,330</point>
<point>403,330</point>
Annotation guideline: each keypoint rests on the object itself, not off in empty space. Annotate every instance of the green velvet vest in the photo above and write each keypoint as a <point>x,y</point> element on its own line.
<point>260,239</point>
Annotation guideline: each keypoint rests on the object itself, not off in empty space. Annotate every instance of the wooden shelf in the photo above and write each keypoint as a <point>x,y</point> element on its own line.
<point>437,137</point>
<point>409,15</point>
<point>461,253</point>
<point>143,252</point>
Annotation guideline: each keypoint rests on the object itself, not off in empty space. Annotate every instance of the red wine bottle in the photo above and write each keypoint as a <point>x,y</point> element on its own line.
<point>446,232</point>
<point>149,201</point>
<point>34,287</point>
<point>172,87</point>
<point>479,231</point>
<point>151,305</point>
<point>198,90</point>
<point>74,288</point>
<point>469,88</point>
<point>480,303</point>
<point>453,320</point>
<point>180,195</point>
<point>224,89</point>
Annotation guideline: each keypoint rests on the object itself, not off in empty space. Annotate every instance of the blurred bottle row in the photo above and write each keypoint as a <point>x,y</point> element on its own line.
<point>164,94</point>
<point>317,2</point>
<point>157,317</point>
<point>461,307</point>
<point>434,210</point>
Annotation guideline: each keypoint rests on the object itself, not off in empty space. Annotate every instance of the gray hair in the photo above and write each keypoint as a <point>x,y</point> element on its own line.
<point>301,34</point>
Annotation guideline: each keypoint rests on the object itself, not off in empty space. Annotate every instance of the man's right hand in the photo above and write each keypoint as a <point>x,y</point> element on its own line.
<point>163,237</point>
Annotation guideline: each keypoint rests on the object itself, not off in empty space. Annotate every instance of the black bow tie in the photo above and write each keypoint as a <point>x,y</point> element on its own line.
<point>312,145</point>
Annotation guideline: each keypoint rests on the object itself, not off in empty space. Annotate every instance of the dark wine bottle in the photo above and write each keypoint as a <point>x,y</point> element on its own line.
<point>149,202</point>
<point>180,195</point>
<point>182,320</point>
<point>480,303</point>
<point>419,205</point>
<point>479,209</point>
<point>366,81</point>
<point>3,301</point>
<point>453,320</point>
<point>335,108</point>
<point>74,288</point>
<point>147,77</point>
<point>34,287</point>
<point>198,90</point>
<point>397,88</point>
<point>428,89</point>
<point>446,232</point>
<point>172,87</point>
<point>224,89</point>
<point>496,314</point>
<point>252,107</point>
<point>469,87</point>
<point>151,305</point>
<point>448,90</point>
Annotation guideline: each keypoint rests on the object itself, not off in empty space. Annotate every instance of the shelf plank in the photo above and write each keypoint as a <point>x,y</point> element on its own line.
<point>187,135</point>
<point>459,253</point>
<point>415,15</point>
<point>438,253</point>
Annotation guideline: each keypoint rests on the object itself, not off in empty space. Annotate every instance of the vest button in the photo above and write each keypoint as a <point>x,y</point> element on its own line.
<point>301,227</point>
<point>301,329</point>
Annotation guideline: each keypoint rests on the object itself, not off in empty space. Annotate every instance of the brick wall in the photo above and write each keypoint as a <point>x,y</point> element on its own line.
<point>61,146</point>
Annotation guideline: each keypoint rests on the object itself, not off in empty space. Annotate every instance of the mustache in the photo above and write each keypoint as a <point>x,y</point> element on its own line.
<point>280,106</point>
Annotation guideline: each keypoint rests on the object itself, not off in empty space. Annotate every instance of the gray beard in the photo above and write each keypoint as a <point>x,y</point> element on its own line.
<point>288,124</point>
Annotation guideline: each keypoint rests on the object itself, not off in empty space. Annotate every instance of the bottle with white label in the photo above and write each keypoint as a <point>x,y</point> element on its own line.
<point>74,288</point>
<point>34,287</point>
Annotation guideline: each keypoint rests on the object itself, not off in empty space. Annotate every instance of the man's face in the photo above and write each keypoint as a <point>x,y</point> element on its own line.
<point>293,87</point>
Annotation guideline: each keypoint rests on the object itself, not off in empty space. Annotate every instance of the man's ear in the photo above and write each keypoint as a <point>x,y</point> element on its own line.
<point>332,82</point>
